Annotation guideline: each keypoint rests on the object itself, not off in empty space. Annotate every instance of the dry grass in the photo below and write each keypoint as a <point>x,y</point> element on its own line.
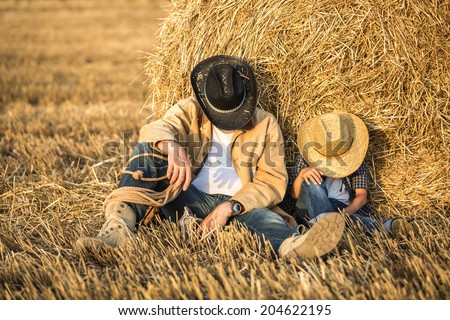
<point>78,51</point>
<point>68,115</point>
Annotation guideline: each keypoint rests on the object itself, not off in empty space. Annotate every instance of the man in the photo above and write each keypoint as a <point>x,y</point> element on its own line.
<point>224,161</point>
<point>330,173</point>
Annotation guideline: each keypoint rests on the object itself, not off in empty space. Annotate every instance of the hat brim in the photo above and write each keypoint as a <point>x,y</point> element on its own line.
<point>226,121</point>
<point>334,167</point>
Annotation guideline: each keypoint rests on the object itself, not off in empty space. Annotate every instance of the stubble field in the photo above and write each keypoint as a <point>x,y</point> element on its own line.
<point>71,75</point>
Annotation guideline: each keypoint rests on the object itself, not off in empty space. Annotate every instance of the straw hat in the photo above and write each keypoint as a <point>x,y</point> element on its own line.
<point>225,88</point>
<point>334,143</point>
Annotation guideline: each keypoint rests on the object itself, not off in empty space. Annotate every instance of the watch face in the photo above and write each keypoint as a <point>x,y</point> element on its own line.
<point>237,207</point>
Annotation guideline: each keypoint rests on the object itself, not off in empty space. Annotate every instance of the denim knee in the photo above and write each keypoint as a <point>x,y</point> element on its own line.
<point>314,192</point>
<point>268,226</point>
<point>262,216</point>
<point>312,188</point>
<point>139,148</point>
<point>142,159</point>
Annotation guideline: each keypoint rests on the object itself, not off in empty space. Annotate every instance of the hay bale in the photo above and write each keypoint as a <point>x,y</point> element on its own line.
<point>386,61</point>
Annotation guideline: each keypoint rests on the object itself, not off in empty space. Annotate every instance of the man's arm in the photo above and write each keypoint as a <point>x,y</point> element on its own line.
<point>179,169</point>
<point>169,135</point>
<point>173,126</point>
<point>268,186</point>
<point>294,180</point>
<point>217,218</point>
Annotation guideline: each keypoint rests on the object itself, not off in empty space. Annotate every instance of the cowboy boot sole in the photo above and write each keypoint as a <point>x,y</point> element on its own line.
<point>323,237</point>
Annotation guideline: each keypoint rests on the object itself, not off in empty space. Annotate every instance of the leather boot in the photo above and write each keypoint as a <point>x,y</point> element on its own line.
<point>320,239</point>
<point>118,230</point>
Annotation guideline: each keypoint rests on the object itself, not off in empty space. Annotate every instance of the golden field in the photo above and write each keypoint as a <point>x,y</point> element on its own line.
<point>74,76</point>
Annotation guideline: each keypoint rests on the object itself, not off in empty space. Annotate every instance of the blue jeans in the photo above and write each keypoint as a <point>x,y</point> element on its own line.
<point>266,224</point>
<point>313,200</point>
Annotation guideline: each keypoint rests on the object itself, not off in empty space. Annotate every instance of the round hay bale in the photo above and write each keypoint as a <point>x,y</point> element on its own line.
<point>385,61</point>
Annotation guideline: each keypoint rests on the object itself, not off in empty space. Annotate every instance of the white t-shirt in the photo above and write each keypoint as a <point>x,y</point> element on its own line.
<point>218,175</point>
<point>336,190</point>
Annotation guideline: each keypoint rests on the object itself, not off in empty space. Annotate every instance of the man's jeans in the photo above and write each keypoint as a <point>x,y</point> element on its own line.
<point>313,200</point>
<point>265,223</point>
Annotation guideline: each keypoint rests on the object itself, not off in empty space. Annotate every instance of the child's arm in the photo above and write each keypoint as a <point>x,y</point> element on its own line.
<point>358,202</point>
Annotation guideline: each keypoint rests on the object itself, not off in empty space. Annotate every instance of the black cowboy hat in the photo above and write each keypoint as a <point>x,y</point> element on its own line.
<point>225,87</point>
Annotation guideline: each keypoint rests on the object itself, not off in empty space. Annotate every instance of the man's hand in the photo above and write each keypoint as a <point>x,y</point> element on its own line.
<point>217,218</point>
<point>311,175</point>
<point>179,170</point>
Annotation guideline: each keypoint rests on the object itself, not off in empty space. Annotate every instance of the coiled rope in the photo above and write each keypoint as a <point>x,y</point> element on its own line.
<point>153,199</point>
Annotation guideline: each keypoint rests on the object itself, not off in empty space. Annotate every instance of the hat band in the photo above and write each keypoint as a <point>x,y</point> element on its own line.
<point>336,154</point>
<point>227,111</point>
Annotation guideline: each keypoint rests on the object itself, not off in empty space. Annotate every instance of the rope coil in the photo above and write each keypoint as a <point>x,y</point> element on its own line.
<point>148,197</point>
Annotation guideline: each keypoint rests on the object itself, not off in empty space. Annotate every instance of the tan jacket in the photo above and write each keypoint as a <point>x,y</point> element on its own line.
<point>257,152</point>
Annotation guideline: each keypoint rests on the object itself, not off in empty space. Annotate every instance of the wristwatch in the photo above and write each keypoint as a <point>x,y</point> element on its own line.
<point>236,207</point>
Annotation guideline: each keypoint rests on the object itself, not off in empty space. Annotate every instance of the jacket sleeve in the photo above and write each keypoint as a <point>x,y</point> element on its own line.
<point>174,125</point>
<point>268,186</point>
<point>294,170</point>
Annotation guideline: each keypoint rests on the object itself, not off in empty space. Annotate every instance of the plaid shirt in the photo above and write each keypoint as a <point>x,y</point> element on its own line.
<point>357,180</point>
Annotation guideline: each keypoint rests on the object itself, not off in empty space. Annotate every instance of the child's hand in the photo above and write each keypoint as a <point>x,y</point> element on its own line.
<point>311,175</point>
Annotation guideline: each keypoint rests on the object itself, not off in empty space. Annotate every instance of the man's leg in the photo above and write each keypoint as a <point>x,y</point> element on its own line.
<point>152,167</point>
<point>201,204</point>
<point>267,225</point>
<point>122,217</point>
<point>287,241</point>
<point>312,201</point>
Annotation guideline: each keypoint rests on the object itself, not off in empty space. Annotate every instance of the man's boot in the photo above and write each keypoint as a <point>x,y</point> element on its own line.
<point>323,237</point>
<point>118,230</point>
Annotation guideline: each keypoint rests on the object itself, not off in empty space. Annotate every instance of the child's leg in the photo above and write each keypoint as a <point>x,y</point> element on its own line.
<point>313,200</point>
<point>369,224</point>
